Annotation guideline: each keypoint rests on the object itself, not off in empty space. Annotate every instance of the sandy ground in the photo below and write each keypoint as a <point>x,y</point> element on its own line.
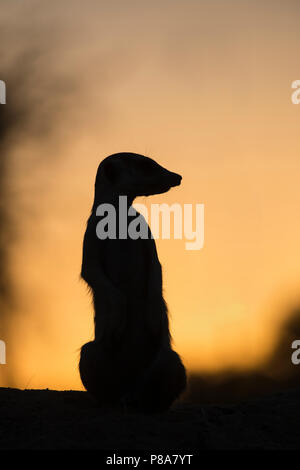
<point>44,419</point>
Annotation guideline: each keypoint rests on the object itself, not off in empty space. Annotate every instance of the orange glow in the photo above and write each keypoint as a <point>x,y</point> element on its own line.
<point>205,89</point>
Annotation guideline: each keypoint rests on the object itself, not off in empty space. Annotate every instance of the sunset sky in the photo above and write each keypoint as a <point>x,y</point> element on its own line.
<point>203,87</point>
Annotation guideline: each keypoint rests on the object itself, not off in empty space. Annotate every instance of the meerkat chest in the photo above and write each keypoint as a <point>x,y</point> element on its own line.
<point>128,260</point>
<point>133,261</point>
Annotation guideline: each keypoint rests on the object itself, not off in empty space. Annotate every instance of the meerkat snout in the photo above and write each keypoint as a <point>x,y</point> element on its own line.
<point>176,179</point>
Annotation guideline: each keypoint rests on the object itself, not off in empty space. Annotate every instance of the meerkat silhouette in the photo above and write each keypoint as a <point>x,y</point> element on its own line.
<point>131,361</point>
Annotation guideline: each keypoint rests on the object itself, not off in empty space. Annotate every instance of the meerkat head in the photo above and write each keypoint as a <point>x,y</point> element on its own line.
<point>135,175</point>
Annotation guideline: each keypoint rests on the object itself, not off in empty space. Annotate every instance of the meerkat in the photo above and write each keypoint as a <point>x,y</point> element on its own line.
<point>131,361</point>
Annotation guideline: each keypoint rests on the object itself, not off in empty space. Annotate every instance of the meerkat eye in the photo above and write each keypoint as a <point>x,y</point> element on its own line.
<point>145,166</point>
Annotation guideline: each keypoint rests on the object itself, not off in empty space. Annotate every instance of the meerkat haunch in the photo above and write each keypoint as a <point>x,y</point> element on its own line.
<point>131,360</point>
